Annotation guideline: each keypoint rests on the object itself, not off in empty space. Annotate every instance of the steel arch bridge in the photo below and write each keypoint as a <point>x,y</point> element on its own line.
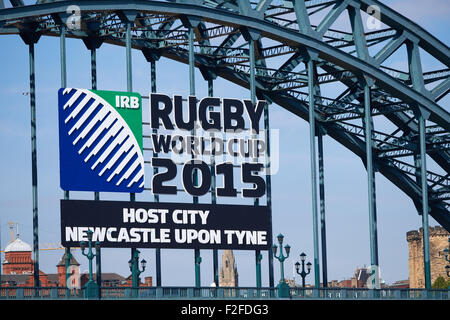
<point>290,53</point>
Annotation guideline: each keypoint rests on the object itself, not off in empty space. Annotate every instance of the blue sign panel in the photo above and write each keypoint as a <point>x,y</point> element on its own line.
<point>100,141</point>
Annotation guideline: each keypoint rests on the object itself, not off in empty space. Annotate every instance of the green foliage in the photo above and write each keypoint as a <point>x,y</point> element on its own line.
<point>440,283</point>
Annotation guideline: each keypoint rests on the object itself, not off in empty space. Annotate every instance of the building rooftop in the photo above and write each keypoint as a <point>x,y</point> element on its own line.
<point>73,261</point>
<point>15,279</point>
<point>18,246</point>
<point>107,276</point>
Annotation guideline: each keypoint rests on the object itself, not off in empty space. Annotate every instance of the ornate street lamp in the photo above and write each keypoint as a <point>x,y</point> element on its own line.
<point>283,288</point>
<point>303,274</point>
<point>91,288</point>
<point>135,271</point>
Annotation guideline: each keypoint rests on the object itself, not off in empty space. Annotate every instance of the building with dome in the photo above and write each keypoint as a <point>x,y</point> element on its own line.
<point>18,258</point>
<point>18,268</point>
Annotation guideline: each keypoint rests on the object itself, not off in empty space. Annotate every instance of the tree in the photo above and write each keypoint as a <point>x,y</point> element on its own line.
<point>441,283</point>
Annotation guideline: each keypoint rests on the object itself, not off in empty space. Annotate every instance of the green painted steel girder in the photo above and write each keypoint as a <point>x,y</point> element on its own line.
<point>330,58</point>
<point>357,146</point>
<point>270,30</point>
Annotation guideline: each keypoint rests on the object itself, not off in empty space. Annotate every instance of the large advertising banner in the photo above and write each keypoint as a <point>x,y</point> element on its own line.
<point>197,146</point>
<point>124,224</point>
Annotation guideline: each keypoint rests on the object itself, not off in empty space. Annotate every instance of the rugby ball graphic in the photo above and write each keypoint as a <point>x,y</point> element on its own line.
<point>100,141</point>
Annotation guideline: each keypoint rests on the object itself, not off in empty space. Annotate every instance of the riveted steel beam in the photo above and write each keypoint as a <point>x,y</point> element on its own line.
<point>274,24</point>
<point>438,115</point>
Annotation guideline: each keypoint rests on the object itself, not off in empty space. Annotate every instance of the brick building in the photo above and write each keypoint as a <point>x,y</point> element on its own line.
<point>359,280</point>
<point>18,270</point>
<point>18,267</point>
<point>401,284</point>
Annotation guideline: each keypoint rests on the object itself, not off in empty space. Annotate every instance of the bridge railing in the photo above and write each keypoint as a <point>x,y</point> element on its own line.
<point>188,293</point>
<point>40,293</point>
<point>223,293</point>
<point>360,293</point>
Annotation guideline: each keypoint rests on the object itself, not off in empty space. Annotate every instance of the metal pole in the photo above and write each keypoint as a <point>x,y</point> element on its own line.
<point>370,182</point>
<point>94,70</point>
<point>155,171</point>
<point>34,167</point>
<point>213,190</point>
<point>268,185</point>
<point>153,83</point>
<point>282,266</point>
<point>322,210</point>
<point>90,260</point>
<point>216,266</point>
<point>258,255</point>
<point>312,131</point>
<point>128,57</point>
<point>62,47</point>
<point>129,89</point>
<point>197,258</point>
<point>251,45</point>
<point>136,269</point>
<point>98,264</point>
<point>303,274</point>
<point>1,260</point>
<point>133,268</point>
<point>423,174</point>
<point>191,62</point>
<point>258,258</point>
<point>211,94</point>
<point>98,260</point>
<point>197,261</point>
<point>62,43</point>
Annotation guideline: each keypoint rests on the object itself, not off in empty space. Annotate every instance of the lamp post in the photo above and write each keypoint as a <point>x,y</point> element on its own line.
<point>133,263</point>
<point>198,261</point>
<point>283,288</point>
<point>91,288</point>
<point>303,274</point>
<point>258,269</point>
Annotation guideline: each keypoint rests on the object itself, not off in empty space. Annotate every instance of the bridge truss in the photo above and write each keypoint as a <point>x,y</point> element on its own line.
<point>291,53</point>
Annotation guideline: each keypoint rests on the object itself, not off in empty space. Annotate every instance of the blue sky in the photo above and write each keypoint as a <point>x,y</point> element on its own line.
<point>345,176</point>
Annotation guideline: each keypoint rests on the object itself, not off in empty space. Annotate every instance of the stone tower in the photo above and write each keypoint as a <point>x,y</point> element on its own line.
<point>228,276</point>
<point>438,242</point>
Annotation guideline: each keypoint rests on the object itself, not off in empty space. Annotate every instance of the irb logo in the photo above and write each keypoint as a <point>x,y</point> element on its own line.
<point>127,102</point>
<point>101,147</point>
